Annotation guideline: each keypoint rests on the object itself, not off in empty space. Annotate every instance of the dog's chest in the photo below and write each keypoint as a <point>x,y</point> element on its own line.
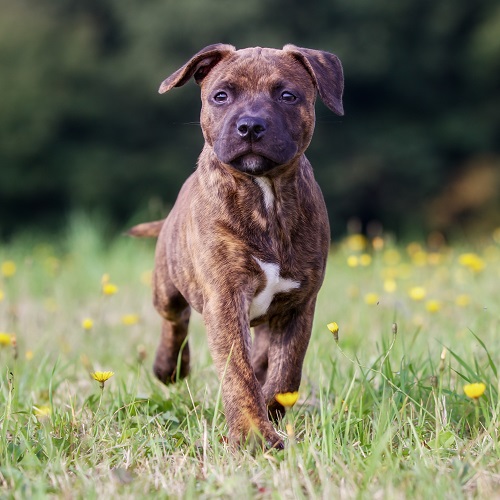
<point>275,284</point>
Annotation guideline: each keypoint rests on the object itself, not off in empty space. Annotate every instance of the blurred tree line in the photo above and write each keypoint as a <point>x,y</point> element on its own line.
<point>82,125</point>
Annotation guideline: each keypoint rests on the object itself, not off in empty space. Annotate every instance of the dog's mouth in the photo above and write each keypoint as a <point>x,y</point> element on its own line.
<point>252,163</point>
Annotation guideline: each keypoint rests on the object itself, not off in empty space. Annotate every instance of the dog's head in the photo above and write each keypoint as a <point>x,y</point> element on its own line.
<point>258,104</point>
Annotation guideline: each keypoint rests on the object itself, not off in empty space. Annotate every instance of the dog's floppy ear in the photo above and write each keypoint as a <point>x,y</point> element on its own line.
<point>326,71</point>
<point>198,66</point>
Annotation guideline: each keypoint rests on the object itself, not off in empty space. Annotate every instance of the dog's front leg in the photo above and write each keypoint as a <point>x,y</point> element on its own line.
<point>229,340</point>
<point>288,340</point>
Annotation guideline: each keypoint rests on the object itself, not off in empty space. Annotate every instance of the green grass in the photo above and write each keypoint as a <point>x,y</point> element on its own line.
<point>379,415</point>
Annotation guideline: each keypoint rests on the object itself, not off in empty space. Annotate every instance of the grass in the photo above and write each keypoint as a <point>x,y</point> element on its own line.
<point>380,414</point>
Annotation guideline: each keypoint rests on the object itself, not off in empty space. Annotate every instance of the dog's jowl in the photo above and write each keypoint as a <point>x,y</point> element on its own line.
<point>247,240</point>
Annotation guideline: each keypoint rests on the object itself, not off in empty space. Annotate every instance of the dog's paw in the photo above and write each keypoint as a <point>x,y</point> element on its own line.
<point>170,374</point>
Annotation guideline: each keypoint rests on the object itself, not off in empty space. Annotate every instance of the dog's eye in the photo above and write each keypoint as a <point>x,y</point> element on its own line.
<point>287,96</point>
<point>220,97</point>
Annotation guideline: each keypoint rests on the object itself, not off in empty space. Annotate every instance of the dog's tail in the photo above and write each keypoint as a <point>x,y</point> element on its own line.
<point>146,229</point>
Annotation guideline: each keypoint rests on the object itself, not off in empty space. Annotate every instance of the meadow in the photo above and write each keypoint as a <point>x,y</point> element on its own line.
<point>382,411</point>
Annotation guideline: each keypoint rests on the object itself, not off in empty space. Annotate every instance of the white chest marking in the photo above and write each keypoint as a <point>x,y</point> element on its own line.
<point>274,284</point>
<point>267,191</point>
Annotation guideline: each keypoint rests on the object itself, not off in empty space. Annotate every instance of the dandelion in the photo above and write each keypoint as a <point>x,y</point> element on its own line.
<point>474,391</point>
<point>102,377</point>
<point>390,285</point>
<point>42,412</point>
<point>365,259</point>
<point>87,324</point>
<point>5,339</point>
<point>417,293</point>
<point>433,306</point>
<point>462,300</point>
<point>287,399</point>
<point>353,261</point>
<point>471,261</point>
<point>8,268</point>
<point>372,299</point>
<point>109,289</point>
<point>356,242</point>
<point>392,257</point>
<point>130,319</point>
<point>334,328</point>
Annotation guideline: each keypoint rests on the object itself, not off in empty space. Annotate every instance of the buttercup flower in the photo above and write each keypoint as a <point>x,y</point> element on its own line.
<point>287,399</point>
<point>8,268</point>
<point>101,377</point>
<point>474,391</point>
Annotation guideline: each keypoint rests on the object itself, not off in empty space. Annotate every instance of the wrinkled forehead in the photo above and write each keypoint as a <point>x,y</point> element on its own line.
<point>260,68</point>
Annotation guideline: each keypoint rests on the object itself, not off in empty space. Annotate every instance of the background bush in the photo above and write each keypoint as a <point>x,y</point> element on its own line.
<point>82,125</point>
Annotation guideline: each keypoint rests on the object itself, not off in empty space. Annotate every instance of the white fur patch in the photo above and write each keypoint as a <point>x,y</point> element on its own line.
<point>267,191</point>
<point>274,284</point>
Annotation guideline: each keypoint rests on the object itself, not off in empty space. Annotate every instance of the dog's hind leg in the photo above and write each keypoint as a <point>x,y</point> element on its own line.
<point>173,348</point>
<point>260,350</point>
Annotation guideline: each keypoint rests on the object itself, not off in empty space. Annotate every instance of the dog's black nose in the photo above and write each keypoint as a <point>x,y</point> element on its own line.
<point>251,128</point>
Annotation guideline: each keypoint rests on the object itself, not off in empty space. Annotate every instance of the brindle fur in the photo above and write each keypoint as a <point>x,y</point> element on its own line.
<point>220,224</point>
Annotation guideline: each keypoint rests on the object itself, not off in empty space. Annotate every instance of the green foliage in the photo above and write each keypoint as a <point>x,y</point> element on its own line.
<point>382,413</point>
<point>81,124</point>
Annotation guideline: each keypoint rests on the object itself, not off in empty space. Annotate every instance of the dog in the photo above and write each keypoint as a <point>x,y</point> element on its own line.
<point>247,240</point>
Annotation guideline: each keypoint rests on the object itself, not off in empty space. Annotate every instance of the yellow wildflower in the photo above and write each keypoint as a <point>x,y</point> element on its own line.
<point>472,261</point>
<point>474,391</point>
<point>390,285</point>
<point>365,259</point>
<point>109,289</point>
<point>419,258</point>
<point>42,412</point>
<point>392,257</point>
<point>287,399</point>
<point>462,300</point>
<point>356,242</point>
<point>372,299</point>
<point>130,319</point>
<point>334,328</point>
<point>353,261</point>
<point>2,295</point>
<point>101,377</point>
<point>433,306</point>
<point>87,324</point>
<point>8,268</point>
<point>5,339</point>
<point>417,293</point>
